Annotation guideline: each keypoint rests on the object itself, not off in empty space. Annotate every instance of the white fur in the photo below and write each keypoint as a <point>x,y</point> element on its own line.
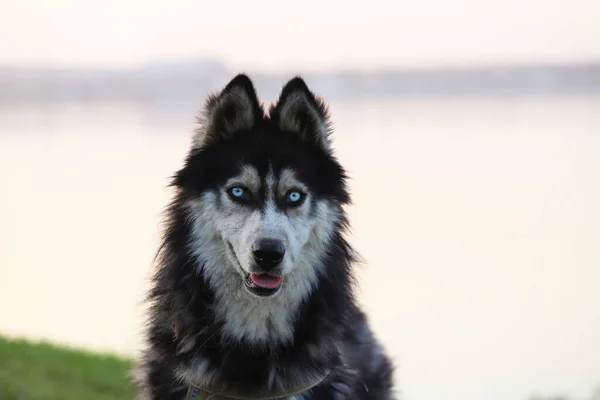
<point>259,320</point>
<point>199,371</point>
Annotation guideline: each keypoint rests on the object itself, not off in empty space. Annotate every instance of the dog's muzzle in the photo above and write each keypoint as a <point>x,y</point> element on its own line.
<point>266,280</point>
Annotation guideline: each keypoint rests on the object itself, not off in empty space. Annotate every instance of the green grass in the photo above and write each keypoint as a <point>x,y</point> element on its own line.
<point>42,371</point>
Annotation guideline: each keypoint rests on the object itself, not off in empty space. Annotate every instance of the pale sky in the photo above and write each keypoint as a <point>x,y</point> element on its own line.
<point>302,35</point>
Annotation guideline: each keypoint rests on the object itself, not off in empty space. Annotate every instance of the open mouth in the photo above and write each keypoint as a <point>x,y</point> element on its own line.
<point>259,284</point>
<point>262,284</point>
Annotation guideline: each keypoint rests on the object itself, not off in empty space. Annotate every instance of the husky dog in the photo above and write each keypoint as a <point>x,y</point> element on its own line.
<point>252,298</point>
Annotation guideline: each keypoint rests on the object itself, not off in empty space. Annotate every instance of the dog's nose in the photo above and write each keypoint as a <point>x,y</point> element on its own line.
<point>268,253</point>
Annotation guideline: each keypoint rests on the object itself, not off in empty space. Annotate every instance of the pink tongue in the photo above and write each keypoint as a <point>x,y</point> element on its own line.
<point>266,281</point>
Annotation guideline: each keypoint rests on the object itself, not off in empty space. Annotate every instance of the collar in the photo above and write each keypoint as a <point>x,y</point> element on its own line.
<point>205,392</point>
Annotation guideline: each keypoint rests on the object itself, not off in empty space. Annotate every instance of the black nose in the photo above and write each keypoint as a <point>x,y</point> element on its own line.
<point>268,253</point>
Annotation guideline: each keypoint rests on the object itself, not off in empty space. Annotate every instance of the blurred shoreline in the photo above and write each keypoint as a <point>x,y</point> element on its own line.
<point>182,81</point>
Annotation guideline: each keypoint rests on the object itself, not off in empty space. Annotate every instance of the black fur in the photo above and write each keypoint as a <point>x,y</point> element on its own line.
<point>330,331</point>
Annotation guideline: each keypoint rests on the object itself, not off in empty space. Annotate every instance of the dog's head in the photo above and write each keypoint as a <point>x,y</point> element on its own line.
<point>263,190</point>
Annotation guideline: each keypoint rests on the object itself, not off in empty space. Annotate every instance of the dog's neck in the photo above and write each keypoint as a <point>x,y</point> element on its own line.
<point>261,321</point>
<point>260,326</point>
<point>223,335</point>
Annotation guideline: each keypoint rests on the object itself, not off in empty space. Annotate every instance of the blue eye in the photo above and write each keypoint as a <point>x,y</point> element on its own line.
<point>294,197</point>
<point>237,192</point>
<point>240,194</point>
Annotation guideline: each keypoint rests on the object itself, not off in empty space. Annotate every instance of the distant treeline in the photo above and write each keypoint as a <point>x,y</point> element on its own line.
<point>189,81</point>
<point>594,396</point>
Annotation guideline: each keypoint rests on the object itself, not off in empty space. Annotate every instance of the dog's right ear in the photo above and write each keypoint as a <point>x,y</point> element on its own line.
<point>298,110</point>
<point>235,108</point>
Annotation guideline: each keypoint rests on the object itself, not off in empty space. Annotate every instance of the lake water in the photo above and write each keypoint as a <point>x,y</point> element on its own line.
<point>479,220</point>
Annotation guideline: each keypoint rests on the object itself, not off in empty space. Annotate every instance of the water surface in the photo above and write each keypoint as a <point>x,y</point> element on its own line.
<point>478,220</point>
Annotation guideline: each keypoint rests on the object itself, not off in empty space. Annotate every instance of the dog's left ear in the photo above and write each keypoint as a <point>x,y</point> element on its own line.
<point>298,110</point>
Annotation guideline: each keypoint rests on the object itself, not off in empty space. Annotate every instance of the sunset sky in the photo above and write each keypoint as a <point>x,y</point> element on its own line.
<point>308,35</point>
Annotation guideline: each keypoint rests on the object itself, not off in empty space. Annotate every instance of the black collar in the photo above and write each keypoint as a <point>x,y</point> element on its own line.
<point>213,392</point>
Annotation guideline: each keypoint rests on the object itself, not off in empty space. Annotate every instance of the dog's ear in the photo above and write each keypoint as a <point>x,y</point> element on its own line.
<point>235,108</point>
<point>299,110</point>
